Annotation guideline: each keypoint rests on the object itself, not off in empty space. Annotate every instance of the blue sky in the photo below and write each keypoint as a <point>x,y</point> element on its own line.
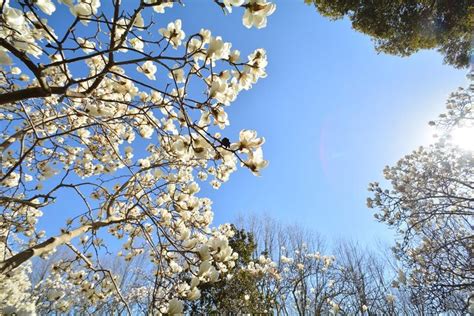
<point>333,113</point>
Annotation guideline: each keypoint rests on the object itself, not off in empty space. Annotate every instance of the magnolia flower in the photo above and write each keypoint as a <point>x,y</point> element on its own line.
<point>175,307</point>
<point>160,8</point>
<point>12,180</point>
<point>232,3</point>
<point>194,294</point>
<point>204,267</point>
<point>137,43</point>
<point>218,49</point>
<point>255,161</point>
<point>173,33</point>
<point>221,91</point>
<point>148,69</point>
<point>85,8</point>
<point>46,6</point>
<point>139,22</point>
<point>258,62</point>
<point>194,45</point>
<point>15,71</point>
<point>257,12</point>
<point>220,118</point>
<point>206,35</point>
<point>13,17</point>
<point>144,163</point>
<point>81,9</point>
<point>146,131</point>
<point>248,140</point>
<point>234,56</point>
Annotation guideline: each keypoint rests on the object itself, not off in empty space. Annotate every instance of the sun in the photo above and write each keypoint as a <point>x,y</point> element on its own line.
<point>463,137</point>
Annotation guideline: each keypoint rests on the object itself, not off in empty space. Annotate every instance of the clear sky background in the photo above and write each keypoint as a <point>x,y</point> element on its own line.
<point>333,113</point>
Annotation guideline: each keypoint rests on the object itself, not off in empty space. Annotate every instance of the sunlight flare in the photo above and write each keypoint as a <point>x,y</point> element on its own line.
<point>463,137</point>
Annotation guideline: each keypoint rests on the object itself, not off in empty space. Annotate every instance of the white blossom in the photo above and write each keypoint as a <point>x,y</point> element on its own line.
<point>148,69</point>
<point>173,33</point>
<point>257,12</point>
<point>47,6</point>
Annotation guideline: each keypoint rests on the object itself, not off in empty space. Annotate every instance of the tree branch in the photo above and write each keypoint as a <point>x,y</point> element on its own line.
<point>52,243</point>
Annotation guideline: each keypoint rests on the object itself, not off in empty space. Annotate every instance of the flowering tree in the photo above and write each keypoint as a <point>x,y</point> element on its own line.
<point>15,291</point>
<point>110,119</point>
<point>299,280</point>
<point>431,206</point>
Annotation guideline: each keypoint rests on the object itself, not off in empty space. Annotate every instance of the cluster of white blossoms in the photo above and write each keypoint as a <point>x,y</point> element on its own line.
<point>430,206</point>
<point>257,13</point>
<point>15,291</point>
<point>108,115</point>
<point>67,287</point>
<point>15,294</point>
<point>264,266</point>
